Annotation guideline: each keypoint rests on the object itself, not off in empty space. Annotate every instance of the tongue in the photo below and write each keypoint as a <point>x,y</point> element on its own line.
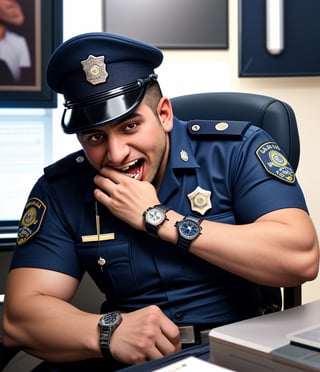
<point>134,171</point>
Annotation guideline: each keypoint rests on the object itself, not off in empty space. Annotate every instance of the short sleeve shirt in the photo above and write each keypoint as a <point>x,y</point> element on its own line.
<point>236,177</point>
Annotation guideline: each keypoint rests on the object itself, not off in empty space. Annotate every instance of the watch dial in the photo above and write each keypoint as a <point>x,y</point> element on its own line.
<point>155,217</point>
<point>189,229</point>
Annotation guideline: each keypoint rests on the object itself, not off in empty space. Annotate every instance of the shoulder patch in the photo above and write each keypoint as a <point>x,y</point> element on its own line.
<point>31,220</point>
<point>218,129</point>
<point>275,162</point>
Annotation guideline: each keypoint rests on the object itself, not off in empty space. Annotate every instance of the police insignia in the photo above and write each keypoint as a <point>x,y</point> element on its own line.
<point>275,162</point>
<point>31,220</point>
<point>200,200</point>
<point>95,69</point>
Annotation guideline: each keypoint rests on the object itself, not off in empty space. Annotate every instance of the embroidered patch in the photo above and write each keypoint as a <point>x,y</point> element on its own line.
<point>31,220</point>
<point>275,162</point>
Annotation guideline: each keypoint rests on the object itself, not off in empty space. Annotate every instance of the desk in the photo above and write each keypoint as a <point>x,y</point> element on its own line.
<point>261,344</point>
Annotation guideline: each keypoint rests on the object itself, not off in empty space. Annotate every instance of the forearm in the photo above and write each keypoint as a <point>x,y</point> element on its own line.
<point>268,252</point>
<point>51,329</point>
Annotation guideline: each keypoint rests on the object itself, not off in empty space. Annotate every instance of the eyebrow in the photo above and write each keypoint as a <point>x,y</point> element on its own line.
<point>134,115</point>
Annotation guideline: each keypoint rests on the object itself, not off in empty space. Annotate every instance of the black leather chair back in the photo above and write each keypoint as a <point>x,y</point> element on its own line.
<point>274,116</point>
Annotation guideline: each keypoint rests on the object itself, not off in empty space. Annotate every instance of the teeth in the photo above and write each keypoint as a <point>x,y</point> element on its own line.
<point>135,176</point>
<point>128,166</point>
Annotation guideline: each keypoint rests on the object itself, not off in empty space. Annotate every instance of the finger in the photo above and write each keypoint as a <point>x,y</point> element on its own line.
<point>166,347</point>
<point>101,197</point>
<point>171,332</point>
<point>112,174</point>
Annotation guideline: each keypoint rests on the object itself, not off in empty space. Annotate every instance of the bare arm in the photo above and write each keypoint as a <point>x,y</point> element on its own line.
<point>39,318</point>
<point>278,249</point>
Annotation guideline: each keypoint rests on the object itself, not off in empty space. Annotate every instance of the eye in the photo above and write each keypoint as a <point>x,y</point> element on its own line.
<point>93,138</point>
<point>130,127</point>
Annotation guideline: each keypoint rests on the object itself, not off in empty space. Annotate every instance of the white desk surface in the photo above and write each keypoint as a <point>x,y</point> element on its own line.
<point>268,332</point>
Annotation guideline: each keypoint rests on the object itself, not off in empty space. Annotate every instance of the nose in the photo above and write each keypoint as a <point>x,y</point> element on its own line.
<point>117,150</point>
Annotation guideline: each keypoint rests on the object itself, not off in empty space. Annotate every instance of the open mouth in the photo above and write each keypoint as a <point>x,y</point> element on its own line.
<point>133,170</point>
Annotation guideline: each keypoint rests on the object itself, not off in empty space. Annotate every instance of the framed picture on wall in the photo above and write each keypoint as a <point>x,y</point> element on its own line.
<point>279,38</point>
<point>30,37</point>
<point>170,24</point>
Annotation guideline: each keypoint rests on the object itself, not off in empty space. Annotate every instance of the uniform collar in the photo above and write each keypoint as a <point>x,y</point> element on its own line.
<point>181,151</point>
<point>180,157</point>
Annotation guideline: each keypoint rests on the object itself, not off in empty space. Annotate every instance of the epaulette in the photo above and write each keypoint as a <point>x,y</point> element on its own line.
<point>218,129</point>
<point>68,165</point>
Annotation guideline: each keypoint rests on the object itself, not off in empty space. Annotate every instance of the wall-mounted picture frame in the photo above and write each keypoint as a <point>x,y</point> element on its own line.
<point>167,24</point>
<point>23,71</point>
<point>298,53</point>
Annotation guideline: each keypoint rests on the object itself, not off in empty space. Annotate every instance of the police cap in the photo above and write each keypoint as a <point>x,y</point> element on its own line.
<point>102,77</point>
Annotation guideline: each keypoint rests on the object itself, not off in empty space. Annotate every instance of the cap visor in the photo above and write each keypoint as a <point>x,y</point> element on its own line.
<point>87,117</point>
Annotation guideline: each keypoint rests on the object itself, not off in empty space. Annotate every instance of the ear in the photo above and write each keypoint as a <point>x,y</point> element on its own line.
<point>165,113</point>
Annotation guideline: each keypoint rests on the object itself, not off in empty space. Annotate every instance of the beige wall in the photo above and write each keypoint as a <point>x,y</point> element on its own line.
<point>186,72</point>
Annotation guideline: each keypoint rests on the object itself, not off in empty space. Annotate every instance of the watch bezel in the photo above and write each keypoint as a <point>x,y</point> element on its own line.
<point>151,225</point>
<point>185,240</point>
<point>151,221</point>
<point>188,221</point>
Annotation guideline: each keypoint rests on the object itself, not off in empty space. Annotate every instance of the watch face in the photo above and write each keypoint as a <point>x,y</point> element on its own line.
<point>189,229</point>
<point>110,319</point>
<point>154,216</point>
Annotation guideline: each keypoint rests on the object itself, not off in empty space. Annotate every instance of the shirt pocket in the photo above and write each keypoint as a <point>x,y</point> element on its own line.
<point>116,277</point>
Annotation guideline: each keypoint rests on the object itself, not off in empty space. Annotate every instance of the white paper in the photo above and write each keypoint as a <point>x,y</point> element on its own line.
<point>191,364</point>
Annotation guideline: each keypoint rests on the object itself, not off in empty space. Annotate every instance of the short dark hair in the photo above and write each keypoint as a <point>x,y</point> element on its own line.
<point>152,96</point>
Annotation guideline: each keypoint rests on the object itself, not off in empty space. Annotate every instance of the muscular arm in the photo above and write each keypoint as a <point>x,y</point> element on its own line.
<point>279,249</point>
<point>38,318</point>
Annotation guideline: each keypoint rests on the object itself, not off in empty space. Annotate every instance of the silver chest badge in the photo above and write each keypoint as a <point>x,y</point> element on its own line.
<point>95,69</point>
<point>200,200</point>
<point>184,155</point>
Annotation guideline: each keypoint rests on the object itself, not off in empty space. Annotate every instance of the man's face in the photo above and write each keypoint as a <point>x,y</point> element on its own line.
<point>11,13</point>
<point>137,146</point>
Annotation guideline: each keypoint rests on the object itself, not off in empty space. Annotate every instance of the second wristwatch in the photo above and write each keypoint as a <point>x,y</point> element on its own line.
<point>188,229</point>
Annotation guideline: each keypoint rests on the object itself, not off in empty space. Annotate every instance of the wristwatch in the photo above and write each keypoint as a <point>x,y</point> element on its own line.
<point>154,217</point>
<point>188,229</point>
<point>107,324</point>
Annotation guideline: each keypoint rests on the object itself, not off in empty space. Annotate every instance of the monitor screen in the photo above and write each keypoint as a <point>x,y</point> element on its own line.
<point>171,24</point>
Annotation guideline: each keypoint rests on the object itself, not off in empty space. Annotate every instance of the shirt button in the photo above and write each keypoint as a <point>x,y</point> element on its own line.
<point>179,316</point>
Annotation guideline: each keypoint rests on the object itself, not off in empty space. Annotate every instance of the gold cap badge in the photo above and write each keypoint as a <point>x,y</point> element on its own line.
<point>95,69</point>
<point>200,200</point>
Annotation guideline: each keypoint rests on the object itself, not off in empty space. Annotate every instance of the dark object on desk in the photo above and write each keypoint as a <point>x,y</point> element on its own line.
<point>198,351</point>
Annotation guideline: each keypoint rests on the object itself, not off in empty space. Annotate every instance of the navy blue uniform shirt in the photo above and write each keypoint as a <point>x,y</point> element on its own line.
<point>247,176</point>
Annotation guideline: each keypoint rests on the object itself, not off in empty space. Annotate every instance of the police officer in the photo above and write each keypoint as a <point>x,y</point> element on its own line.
<point>178,229</point>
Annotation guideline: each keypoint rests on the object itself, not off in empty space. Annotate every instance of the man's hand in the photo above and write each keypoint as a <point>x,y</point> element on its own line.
<point>143,335</point>
<point>125,197</point>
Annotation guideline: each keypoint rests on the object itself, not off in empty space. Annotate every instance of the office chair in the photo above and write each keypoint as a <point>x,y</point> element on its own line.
<point>274,116</point>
